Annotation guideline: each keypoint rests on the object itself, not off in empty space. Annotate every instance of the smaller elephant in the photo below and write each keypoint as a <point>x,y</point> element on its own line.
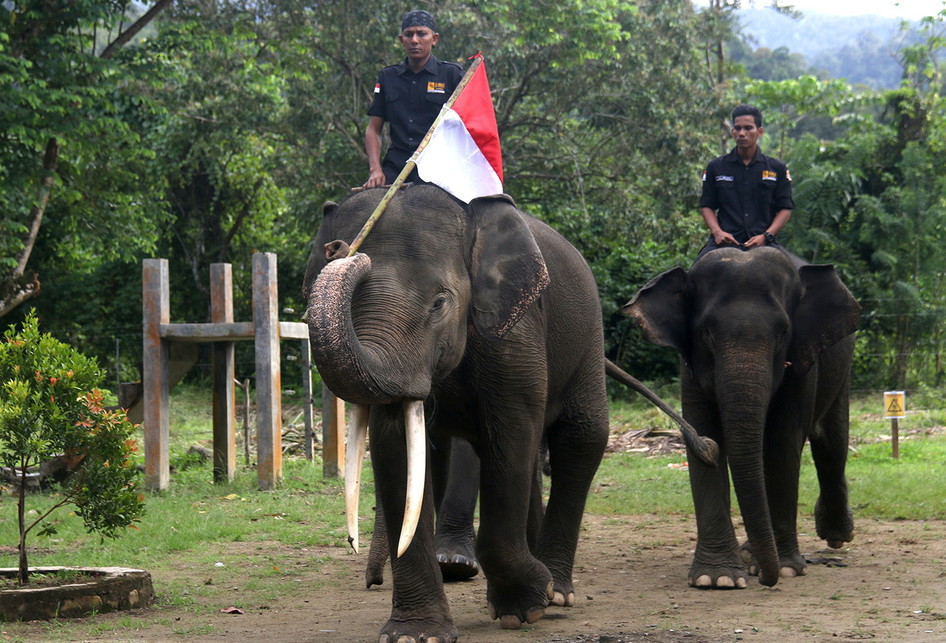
<point>766,343</point>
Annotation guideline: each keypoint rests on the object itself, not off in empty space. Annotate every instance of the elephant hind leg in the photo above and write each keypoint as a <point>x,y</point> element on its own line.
<point>575,451</point>
<point>455,536</point>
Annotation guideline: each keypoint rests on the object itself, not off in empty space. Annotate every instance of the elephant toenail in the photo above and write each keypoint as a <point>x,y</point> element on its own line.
<point>787,572</point>
<point>535,614</point>
<point>725,581</point>
<point>510,622</point>
<point>740,583</point>
<point>702,581</point>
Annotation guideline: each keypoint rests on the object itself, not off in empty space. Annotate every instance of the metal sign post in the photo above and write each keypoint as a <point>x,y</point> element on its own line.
<point>895,408</point>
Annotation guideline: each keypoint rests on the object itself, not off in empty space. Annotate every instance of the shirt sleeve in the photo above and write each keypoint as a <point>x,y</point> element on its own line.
<point>783,190</point>
<point>378,107</point>
<point>708,198</point>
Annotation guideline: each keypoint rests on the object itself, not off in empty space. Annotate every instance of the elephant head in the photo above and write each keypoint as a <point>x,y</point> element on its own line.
<point>740,320</point>
<point>389,322</point>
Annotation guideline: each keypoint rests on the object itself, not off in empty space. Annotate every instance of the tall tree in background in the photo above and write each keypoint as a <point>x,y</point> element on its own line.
<point>55,122</point>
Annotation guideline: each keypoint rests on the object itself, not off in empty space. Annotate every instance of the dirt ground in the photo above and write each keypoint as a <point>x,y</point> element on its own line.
<point>889,584</point>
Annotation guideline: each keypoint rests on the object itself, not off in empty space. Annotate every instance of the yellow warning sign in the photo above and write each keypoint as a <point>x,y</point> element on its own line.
<point>895,405</point>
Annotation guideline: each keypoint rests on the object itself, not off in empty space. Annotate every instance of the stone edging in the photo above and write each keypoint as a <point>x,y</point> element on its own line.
<point>115,588</point>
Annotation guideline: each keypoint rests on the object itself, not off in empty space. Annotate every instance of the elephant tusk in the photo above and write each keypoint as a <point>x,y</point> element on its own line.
<point>416,435</point>
<point>354,457</point>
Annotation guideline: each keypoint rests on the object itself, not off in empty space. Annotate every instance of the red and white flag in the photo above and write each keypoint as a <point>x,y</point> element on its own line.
<point>463,154</point>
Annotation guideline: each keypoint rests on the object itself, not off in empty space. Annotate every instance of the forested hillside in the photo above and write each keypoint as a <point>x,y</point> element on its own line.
<point>220,128</point>
<point>864,50</point>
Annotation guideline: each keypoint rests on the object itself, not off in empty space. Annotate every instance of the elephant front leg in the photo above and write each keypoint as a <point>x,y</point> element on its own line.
<point>420,611</point>
<point>834,520</point>
<point>717,563</point>
<point>519,585</point>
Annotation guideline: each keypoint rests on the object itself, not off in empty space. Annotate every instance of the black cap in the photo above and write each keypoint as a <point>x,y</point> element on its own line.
<point>418,18</point>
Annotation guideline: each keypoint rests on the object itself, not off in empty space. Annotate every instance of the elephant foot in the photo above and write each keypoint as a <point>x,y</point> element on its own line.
<point>518,593</point>
<point>727,574</point>
<point>834,526</point>
<point>419,630</point>
<point>456,557</point>
<point>457,567</point>
<point>790,564</point>
<point>515,621</point>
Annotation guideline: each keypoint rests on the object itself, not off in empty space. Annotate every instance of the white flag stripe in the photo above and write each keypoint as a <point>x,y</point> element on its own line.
<point>453,160</point>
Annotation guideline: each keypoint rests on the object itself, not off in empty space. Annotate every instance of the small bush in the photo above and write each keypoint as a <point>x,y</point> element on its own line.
<point>50,407</point>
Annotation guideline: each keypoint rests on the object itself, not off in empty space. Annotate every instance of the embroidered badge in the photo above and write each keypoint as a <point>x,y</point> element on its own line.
<point>434,87</point>
<point>704,176</point>
<point>723,177</point>
<point>377,88</point>
<point>788,175</point>
<point>769,175</point>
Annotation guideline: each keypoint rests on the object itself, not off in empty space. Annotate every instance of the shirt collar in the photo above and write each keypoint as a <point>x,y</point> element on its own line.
<point>733,156</point>
<point>431,67</point>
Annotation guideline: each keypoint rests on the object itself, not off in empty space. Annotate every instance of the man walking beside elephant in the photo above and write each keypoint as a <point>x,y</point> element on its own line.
<point>747,196</point>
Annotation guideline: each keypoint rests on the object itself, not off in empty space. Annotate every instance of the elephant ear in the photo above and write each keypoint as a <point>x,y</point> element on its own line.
<point>660,307</point>
<point>507,269</point>
<point>826,313</point>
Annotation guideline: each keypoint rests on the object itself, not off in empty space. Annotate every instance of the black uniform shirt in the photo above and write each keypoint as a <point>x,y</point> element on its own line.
<point>746,197</point>
<point>410,103</point>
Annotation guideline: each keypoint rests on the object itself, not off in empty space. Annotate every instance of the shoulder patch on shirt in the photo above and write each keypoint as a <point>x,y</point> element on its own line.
<point>704,176</point>
<point>434,87</point>
<point>377,88</point>
<point>769,175</point>
<point>788,175</point>
<point>723,177</point>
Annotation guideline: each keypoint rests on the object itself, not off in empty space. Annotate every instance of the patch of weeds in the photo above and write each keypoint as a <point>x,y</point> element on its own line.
<point>195,630</point>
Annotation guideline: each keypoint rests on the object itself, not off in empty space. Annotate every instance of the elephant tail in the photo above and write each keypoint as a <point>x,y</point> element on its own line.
<point>705,448</point>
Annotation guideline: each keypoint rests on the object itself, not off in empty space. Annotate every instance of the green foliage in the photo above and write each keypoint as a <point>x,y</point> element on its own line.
<point>49,407</point>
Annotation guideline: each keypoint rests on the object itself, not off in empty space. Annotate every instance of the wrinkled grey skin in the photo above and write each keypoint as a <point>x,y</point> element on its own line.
<point>766,343</point>
<point>493,319</point>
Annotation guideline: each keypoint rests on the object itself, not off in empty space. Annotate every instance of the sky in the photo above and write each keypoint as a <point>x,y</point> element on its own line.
<point>908,9</point>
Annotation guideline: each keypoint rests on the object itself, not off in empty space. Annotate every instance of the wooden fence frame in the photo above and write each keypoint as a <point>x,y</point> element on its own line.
<point>266,330</point>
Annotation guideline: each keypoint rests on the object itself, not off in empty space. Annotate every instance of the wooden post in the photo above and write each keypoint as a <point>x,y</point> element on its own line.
<point>333,424</point>
<point>224,412</point>
<point>268,381</point>
<point>307,400</point>
<point>156,310</point>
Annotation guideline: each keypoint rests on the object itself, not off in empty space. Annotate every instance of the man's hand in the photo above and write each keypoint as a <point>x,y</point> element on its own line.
<point>723,238</point>
<point>758,240</point>
<point>375,180</point>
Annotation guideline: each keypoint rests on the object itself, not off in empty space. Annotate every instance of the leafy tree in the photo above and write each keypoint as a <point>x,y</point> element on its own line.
<point>57,122</point>
<point>49,407</point>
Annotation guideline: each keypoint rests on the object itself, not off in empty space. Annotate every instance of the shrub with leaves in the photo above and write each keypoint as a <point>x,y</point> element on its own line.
<point>50,408</point>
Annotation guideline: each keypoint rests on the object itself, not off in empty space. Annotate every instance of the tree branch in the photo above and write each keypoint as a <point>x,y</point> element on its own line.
<point>50,163</point>
<point>125,36</point>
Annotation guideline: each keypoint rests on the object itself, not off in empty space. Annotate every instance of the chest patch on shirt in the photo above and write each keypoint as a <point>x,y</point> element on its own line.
<point>433,87</point>
<point>768,175</point>
<point>723,177</point>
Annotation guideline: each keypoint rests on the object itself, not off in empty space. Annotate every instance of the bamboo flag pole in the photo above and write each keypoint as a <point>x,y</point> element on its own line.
<point>412,162</point>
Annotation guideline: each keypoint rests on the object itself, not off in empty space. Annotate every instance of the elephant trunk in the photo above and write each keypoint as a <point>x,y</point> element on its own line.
<point>743,412</point>
<point>355,371</point>
<point>352,372</point>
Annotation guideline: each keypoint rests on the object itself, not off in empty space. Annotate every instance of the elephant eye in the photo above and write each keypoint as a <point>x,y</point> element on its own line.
<point>439,303</point>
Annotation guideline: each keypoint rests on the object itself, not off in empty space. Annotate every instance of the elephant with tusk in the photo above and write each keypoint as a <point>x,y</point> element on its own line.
<point>475,321</point>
